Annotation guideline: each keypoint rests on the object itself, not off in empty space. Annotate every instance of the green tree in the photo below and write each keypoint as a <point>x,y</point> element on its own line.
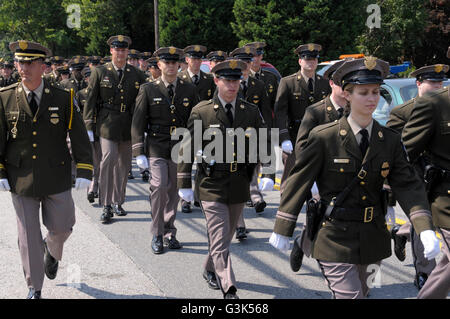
<point>284,25</point>
<point>205,22</point>
<point>401,32</point>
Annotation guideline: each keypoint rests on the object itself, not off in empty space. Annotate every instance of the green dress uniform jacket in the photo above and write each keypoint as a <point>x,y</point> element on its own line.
<point>36,160</point>
<point>224,186</point>
<point>400,115</point>
<point>317,114</point>
<point>51,78</point>
<point>158,115</point>
<point>332,159</point>
<point>7,82</point>
<point>428,129</point>
<point>72,83</point>
<point>257,94</point>
<point>271,83</point>
<point>292,99</point>
<point>111,101</point>
<point>205,86</point>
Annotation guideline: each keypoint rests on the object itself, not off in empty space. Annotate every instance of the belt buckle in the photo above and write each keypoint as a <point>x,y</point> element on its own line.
<point>362,174</point>
<point>172,130</point>
<point>368,210</point>
<point>122,108</point>
<point>233,167</point>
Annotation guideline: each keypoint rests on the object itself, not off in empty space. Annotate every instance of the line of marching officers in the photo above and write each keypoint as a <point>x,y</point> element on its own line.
<point>126,115</point>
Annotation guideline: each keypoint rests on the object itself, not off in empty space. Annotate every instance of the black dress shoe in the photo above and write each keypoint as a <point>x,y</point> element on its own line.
<point>50,264</point>
<point>107,214</point>
<point>231,293</point>
<point>399,243</point>
<point>33,294</point>
<point>211,279</point>
<point>196,204</point>
<point>172,243</point>
<point>91,197</point>
<point>157,244</point>
<point>118,210</point>
<point>420,280</point>
<point>259,206</point>
<point>186,208</point>
<point>145,175</point>
<point>95,194</point>
<point>249,203</point>
<point>296,257</point>
<point>241,233</point>
<point>130,175</point>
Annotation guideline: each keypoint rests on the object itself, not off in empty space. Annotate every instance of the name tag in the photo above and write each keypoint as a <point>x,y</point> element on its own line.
<point>156,99</point>
<point>214,126</point>
<point>341,160</point>
<point>53,108</point>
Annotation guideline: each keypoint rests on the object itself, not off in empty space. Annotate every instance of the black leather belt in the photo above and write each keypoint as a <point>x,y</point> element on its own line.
<point>163,129</point>
<point>229,167</point>
<point>363,215</point>
<point>117,108</point>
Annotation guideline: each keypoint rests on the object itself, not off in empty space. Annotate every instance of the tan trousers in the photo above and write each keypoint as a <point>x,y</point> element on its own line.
<point>58,216</point>
<point>437,285</point>
<point>163,196</point>
<point>97,158</point>
<point>255,194</point>
<point>421,264</point>
<point>347,281</point>
<point>114,168</point>
<point>221,221</point>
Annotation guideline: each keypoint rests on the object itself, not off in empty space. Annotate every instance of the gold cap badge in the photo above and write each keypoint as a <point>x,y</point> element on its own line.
<point>120,38</point>
<point>438,68</point>
<point>172,50</point>
<point>23,45</point>
<point>370,62</point>
<point>233,64</point>
<point>311,47</point>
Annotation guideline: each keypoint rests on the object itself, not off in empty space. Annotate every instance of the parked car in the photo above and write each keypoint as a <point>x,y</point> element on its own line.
<point>205,67</point>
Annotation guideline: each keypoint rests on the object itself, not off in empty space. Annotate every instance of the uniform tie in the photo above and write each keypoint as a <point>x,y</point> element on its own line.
<point>170,90</point>
<point>340,112</point>
<point>311,86</point>
<point>228,106</point>
<point>195,79</point>
<point>33,104</point>
<point>364,144</point>
<point>120,74</point>
<point>244,88</point>
<point>257,75</point>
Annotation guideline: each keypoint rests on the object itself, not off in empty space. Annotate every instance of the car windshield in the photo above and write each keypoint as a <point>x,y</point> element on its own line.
<point>408,92</point>
<point>383,109</point>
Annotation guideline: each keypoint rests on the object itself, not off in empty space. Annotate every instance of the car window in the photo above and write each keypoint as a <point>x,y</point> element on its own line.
<point>384,107</point>
<point>204,67</point>
<point>408,92</point>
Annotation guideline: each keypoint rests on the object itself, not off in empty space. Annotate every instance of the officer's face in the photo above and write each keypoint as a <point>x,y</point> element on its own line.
<point>363,99</point>
<point>256,63</point>
<point>30,72</point>
<point>194,64</point>
<point>427,86</point>
<point>168,68</point>
<point>143,65</point>
<point>228,89</point>
<point>336,89</point>
<point>119,55</point>
<point>134,62</point>
<point>308,64</point>
<point>156,73</point>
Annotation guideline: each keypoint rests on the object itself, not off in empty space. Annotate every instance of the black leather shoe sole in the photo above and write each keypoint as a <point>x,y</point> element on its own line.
<point>157,245</point>
<point>32,294</point>
<point>91,197</point>
<point>211,280</point>
<point>119,211</point>
<point>172,243</point>
<point>106,216</point>
<point>50,264</point>
<point>420,280</point>
<point>259,206</point>
<point>241,233</point>
<point>296,257</point>
<point>186,209</point>
<point>399,244</point>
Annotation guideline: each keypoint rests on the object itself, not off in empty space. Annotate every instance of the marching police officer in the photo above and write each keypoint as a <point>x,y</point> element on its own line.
<point>6,77</point>
<point>427,130</point>
<point>350,160</point>
<point>76,81</point>
<point>162,106</point>
<point>215,57</point>
<point>222,184</point>
<point>428,79</point>
<point>295,93</point>
<point>154,70</point>
<point>35,164</point>
<point>113,88</point>
<point>54,76</point>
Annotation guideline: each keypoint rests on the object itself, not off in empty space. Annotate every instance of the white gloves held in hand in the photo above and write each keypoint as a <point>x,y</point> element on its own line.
<point>91,136</point>
<point>4,185</point>
<point>430,244</point>
<point>287,147</point>
<point>142,161</point>
<point>279,242</point>
<point>187,194</point>
<point>266,184</point>
<point>82,183</point>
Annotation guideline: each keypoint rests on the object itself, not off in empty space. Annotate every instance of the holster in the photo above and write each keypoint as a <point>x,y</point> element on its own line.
<point>314,216</point>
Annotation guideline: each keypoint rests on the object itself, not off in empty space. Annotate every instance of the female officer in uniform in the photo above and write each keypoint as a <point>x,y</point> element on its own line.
<point>355,151</point>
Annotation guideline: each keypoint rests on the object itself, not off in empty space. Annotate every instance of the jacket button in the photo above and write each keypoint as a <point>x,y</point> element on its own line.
<point>34,157</point>
<point>35,145</point>
<point>364,197</point>
<point>362,183</point>
<point>34,133</point>
<point>341,170</point>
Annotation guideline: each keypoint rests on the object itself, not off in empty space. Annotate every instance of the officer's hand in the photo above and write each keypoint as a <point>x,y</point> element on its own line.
<point>187,194</point>
<point>430,244</point>
<point>142,161</point>
<point>286,146</point>
<point>279,242</point>
<point>266,184</point>
<point>4,185</point>
<point>91,136</point>
<point>82,183</point>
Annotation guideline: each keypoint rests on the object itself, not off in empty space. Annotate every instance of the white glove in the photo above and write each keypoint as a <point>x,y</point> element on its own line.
<point>430,244</point>
<point>314,189</point>
<point>82,183</point>
<point>187,194</point>
<point>279,242</point>
<point>266,184</point>
<point>390,216</point>
<point>91,136</point>
<point>142,161</point>
<point>4,185</point>
<point>287,147</point>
